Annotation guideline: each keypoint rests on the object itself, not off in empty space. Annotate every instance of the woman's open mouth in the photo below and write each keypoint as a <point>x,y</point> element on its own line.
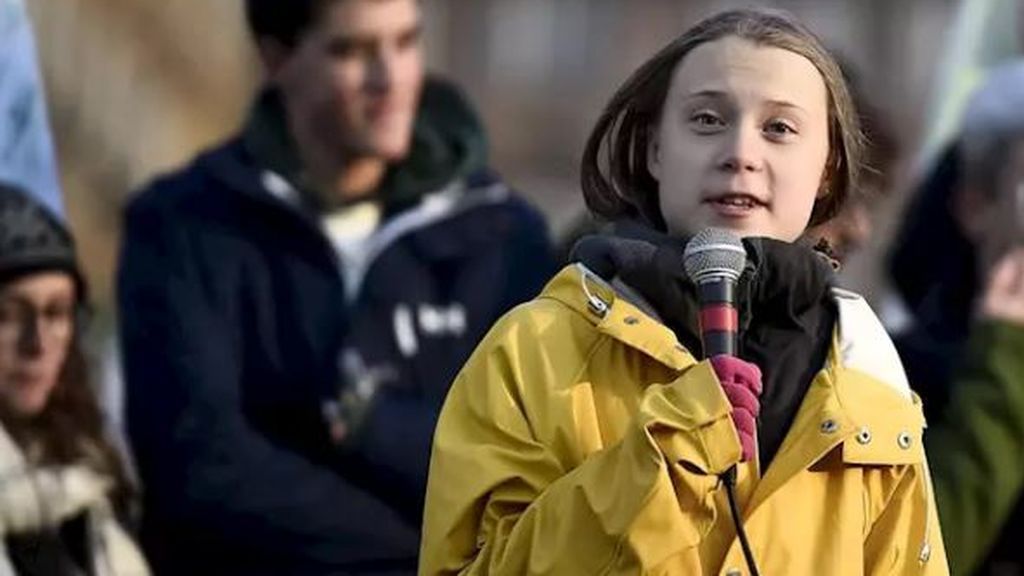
<point>735,205</point>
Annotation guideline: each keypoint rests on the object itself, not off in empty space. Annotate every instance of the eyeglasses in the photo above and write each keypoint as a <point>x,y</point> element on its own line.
<point>20,319</point>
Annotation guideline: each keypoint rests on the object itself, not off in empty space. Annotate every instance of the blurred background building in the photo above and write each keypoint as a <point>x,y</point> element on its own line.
<point>136,87</point>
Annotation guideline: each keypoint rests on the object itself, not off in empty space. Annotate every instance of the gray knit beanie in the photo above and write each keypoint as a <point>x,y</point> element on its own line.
<point>32,239</point>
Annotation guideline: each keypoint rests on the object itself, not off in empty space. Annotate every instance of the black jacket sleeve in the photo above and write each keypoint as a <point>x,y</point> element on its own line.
<point>202,462</point>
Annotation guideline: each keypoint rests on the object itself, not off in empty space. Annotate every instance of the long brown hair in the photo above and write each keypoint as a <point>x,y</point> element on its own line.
<point>71,427</point>
<point>614,176</point>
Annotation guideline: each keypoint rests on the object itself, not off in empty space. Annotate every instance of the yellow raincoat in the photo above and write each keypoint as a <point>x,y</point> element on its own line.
<point>582,439</point>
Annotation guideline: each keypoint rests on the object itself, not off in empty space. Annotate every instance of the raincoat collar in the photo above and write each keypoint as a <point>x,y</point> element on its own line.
<point>859,402</point>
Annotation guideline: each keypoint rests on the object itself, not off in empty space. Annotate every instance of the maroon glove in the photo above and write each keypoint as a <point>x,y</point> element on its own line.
<point>741,382</point>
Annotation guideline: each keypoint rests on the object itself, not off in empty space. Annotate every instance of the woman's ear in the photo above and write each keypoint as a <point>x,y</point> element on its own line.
<point>653,154</point>
<point>828,177</point>
<point>823,202</point>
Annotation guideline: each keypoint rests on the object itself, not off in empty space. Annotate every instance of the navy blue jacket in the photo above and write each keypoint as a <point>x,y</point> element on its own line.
<point>237,328</point>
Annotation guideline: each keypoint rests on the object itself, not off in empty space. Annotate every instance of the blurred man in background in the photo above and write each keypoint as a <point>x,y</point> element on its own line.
<point>295,303</point>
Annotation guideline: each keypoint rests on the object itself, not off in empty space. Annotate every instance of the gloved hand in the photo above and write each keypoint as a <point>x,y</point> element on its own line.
<point>741,382</point>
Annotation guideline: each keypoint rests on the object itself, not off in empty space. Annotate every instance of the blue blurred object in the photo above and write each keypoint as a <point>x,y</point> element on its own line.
<point>26,146</point>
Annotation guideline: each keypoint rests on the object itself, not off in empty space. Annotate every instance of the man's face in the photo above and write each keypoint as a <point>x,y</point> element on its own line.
<point>352,82</point>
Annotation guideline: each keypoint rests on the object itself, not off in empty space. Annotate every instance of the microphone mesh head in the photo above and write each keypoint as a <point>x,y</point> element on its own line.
<point>714,253</point>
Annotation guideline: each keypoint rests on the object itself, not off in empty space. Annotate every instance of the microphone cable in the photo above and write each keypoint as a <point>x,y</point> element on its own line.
<point>729,479</point>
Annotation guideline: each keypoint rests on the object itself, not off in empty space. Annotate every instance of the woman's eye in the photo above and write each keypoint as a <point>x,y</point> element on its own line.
<point>780,128</point>
<point>706,119</point>
<point>706,122</point>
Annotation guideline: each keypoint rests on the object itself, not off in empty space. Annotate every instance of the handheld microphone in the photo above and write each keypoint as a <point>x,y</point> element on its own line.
<point>714,260</point>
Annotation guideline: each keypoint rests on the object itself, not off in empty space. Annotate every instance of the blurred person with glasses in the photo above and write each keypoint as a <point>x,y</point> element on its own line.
<point>63,488</point>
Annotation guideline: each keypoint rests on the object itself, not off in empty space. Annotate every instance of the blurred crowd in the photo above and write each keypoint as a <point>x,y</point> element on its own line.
<point>290,318</point>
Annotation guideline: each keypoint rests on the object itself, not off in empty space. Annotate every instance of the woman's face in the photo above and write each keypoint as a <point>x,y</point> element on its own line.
<point>36,324</point>
<point>742,141</point>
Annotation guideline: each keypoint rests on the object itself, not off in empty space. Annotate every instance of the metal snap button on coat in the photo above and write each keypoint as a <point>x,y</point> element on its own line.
<point>926,553</point>
<point>829,426</point>
<point>904,440</point>
<point>864,436</point>
<point>631,320</point>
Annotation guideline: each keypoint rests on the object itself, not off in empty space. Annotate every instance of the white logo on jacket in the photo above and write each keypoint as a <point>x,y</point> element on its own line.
<point>430,320</point>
